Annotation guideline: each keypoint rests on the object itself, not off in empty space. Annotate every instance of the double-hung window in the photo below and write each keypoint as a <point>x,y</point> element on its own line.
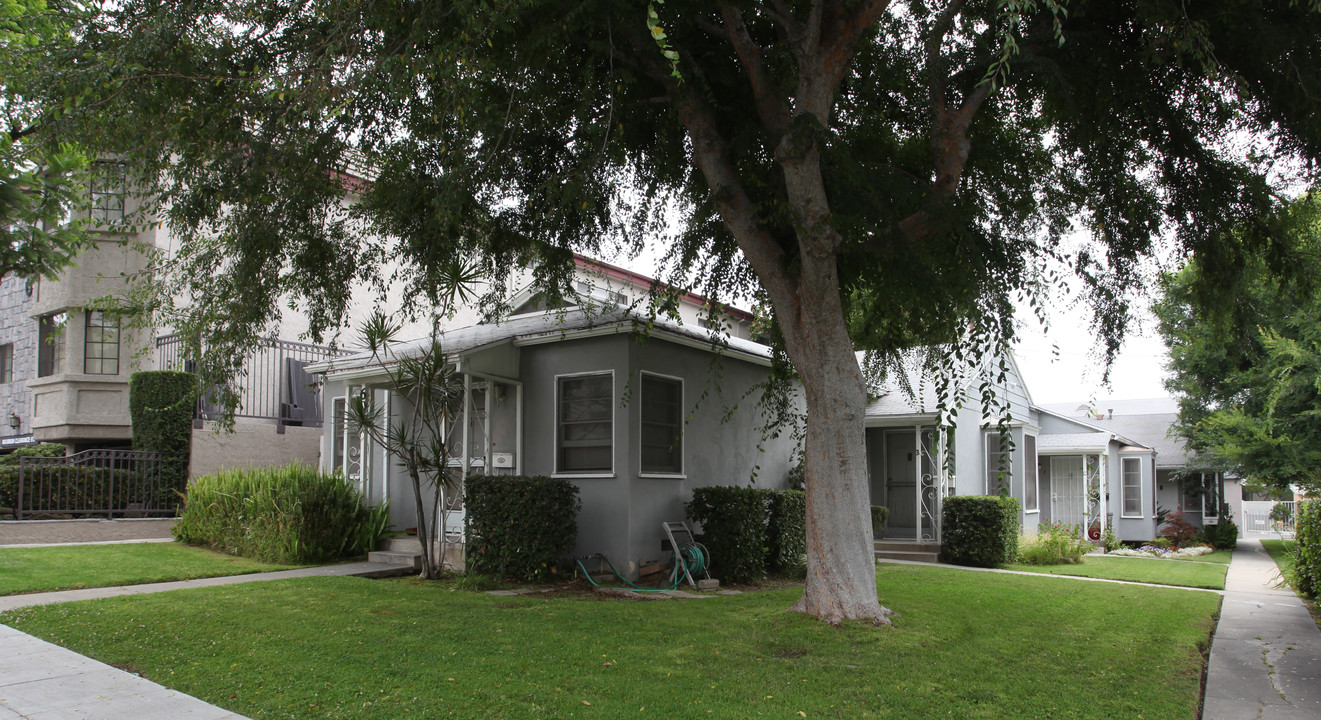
<point>7,363</point>
<point>101,344</point>
<point>1132,486</point>
<point>999,463</point>
<point>662,425</point>
<point>585,424</point>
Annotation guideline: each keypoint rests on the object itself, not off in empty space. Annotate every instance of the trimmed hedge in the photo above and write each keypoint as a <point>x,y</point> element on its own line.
<point>1307,549</point>
<point>979,530</point>
<point>519,526</point>
<point>160,406</point>
<point>749,531</point>
<point>291,514</point>
<point>9,469</point>
<point>786,529</point>
<point>880,518</point>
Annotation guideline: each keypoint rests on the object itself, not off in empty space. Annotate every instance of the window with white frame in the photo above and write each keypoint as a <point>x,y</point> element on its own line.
<point>101,344</point>
<point>1132,486</point>
<point>1030,473</point>
<point>661,443</point>
<point>585,424</point>
<point>999,459</point>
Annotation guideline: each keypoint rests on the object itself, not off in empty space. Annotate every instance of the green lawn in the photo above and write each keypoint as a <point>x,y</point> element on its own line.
<point>1147,570</point>
<point>1281,551</point>
<point>40,569</point>
<point>967,645</point>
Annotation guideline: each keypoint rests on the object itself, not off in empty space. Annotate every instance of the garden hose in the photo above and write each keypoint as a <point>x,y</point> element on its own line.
<point>693,558</point>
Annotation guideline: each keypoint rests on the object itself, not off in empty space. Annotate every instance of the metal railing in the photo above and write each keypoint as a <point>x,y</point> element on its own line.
<point>274,383</point>
<point>127,483</point>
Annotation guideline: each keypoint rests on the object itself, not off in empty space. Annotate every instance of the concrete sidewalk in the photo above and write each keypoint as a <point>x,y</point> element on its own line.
<point>1266,655</point>
<point>41,681</point>
<point>358,569</point>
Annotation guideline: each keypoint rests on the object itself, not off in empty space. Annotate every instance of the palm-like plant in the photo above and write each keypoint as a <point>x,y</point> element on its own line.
<point>417,428</point>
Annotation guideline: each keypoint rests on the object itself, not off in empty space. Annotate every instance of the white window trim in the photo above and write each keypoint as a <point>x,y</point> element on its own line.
<point>1123,487</point>
<point>683,460</point>
<point>993,436</point>
<point>555,426</point>
<point>1036,464</point>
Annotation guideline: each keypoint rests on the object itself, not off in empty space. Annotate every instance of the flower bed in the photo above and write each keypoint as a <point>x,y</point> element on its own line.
<point>1160,552</point>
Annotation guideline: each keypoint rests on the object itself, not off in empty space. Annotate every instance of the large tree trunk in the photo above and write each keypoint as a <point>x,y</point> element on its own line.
<point>841,566</point>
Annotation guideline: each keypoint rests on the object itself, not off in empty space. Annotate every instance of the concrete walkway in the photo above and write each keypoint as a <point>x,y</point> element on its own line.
<point>1266,655</point>
<point>41,681</point>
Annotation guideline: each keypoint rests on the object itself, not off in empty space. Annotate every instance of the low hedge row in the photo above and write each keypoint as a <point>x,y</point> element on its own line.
<point>9,469</point>
<point>291,514</point>
<point>750,531</point>
<point>979,530</point>
<point>1307,549</point>
<point>519,526</point>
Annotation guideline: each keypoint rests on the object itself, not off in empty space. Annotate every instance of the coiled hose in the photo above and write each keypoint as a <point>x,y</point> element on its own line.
<point>693,557</point>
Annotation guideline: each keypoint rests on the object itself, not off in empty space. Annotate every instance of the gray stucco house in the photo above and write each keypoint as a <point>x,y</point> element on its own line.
<point>635,412</point>
<point>1184,482</point>
<point>1062,469</point>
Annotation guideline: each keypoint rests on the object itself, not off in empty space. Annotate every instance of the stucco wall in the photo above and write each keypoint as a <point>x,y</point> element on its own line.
<point>253,443</point>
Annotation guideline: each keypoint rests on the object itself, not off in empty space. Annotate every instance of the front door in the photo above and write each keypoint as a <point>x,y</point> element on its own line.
<point>1068,490</point>
<point>901,484</point>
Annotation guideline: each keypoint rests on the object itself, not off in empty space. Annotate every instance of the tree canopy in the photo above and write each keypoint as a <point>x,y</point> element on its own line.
<point>883,173</point>
<point>38,183</point>
<point>1247,371</point>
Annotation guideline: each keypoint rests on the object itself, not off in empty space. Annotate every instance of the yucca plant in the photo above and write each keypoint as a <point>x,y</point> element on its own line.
<point>432,392</point>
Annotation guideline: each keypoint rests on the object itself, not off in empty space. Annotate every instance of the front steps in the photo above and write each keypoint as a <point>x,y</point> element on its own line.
<point>405,553</point>
<point>906,550</point>
<point>400,552</point>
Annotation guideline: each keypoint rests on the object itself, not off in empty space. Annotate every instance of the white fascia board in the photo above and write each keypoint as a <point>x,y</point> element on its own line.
<point>989,423</point>
<point>628,329</point>
<point>879,421</point>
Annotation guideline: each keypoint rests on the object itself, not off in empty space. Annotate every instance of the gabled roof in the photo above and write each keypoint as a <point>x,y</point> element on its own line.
<point>553,327</point>
<point>895,400</point>
<point>1147,421</point>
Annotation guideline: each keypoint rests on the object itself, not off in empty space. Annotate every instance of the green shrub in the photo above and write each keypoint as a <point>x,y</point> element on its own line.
<point>1222,535</point>
<point>880,518</point>
<point>786,531</point>
<point>750,531</point>
<point>291,514</point>
<point>161,404</point>
<point>1054,545</point>
<point>733,521</point>
<point>979,530</point>
<point>519,526</point>
<point>9,469</point>
<point>1307,548</point>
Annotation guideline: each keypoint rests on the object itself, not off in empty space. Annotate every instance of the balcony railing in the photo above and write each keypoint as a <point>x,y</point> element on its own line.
<point>274,383</point>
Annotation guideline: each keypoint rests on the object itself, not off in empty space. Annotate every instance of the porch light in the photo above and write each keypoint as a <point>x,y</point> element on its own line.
<point>14,420</point>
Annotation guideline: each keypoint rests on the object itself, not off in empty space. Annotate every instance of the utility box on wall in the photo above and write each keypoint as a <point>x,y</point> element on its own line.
<point>502,460</point>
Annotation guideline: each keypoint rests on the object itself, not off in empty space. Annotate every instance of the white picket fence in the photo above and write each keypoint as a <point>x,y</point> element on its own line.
<point>1257,517</point>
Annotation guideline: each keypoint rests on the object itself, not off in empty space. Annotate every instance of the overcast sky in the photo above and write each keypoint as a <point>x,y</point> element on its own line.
<point>1075,374</point>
